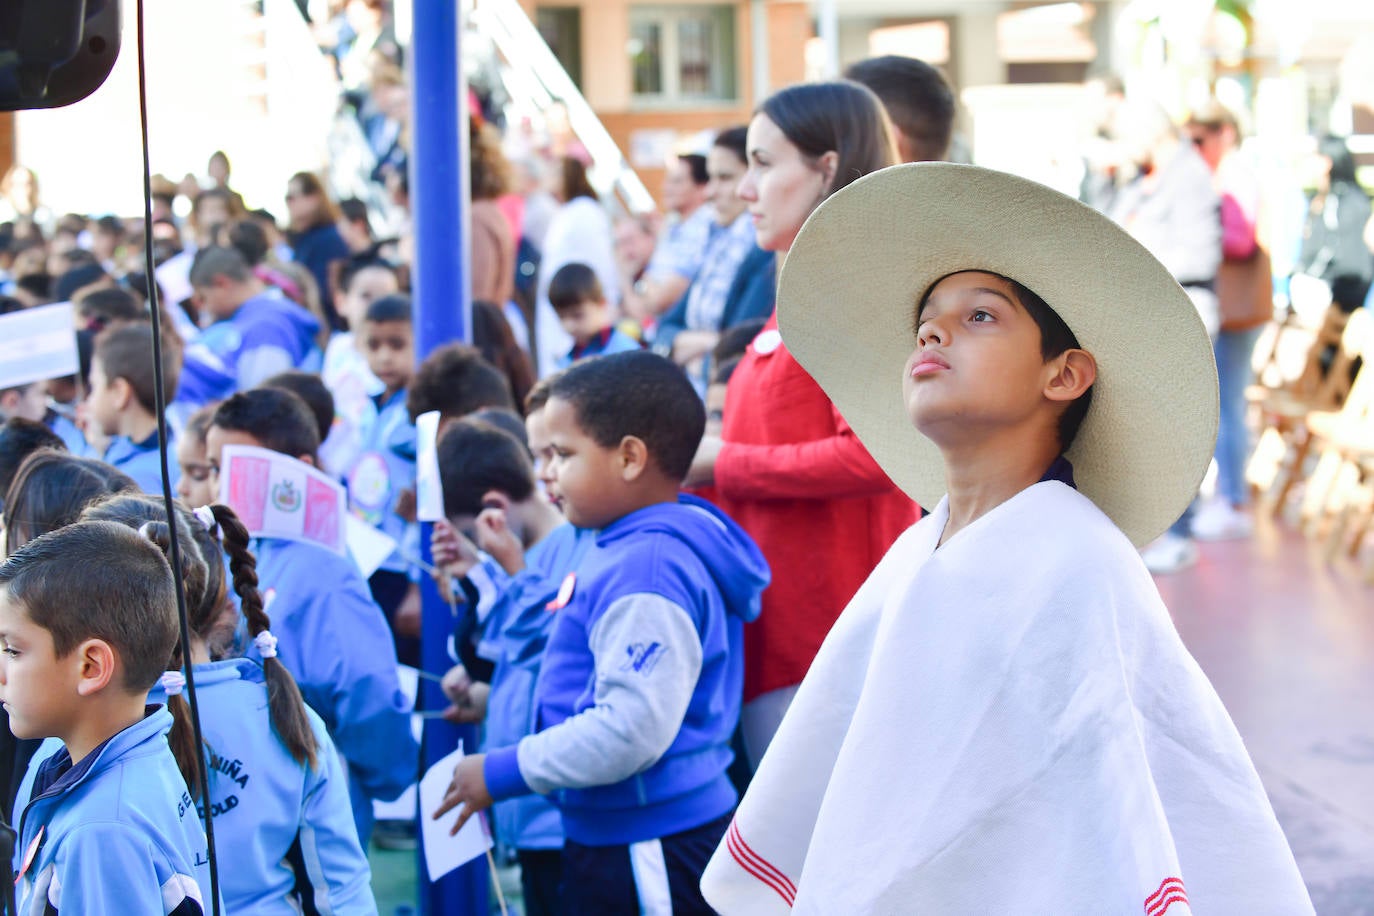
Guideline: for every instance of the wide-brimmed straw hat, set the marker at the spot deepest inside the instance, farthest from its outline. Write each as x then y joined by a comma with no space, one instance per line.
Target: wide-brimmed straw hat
847,302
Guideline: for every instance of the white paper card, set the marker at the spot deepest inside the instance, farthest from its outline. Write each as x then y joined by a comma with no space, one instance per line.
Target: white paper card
278,496
444,853
38,344
402,809
429,489
368,546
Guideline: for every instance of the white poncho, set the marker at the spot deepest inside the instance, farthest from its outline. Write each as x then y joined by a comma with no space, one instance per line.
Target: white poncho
1008,724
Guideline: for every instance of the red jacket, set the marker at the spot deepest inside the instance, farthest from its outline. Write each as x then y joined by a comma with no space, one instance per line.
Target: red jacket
794,476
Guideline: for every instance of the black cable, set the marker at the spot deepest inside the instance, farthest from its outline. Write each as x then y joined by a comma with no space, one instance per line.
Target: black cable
161,405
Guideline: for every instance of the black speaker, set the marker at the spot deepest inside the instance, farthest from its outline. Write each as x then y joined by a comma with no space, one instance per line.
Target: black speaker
55,52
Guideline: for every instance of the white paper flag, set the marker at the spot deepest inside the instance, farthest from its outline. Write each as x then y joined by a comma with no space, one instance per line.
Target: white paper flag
429,490
444,853
38,344
278,496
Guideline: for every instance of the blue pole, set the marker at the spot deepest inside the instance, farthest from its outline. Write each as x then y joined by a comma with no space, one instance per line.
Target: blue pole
443,308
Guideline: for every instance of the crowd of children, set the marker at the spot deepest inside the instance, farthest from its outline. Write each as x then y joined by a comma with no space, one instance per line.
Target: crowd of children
602,610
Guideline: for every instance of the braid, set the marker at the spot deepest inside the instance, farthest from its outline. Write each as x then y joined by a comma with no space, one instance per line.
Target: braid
283,695
182,736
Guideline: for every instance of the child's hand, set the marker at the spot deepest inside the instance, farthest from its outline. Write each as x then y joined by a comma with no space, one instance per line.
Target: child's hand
495,537
408,613
405,504
454,555
469,789
468,697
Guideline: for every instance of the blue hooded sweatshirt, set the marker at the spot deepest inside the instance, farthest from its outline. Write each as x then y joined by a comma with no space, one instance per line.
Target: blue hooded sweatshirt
283,831
639,693
515,634
117,833
334,639
268,334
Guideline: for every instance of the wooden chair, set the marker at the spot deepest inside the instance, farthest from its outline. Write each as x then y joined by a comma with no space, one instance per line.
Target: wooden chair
1279,461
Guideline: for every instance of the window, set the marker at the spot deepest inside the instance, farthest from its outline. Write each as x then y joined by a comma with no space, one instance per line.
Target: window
561,28
682,54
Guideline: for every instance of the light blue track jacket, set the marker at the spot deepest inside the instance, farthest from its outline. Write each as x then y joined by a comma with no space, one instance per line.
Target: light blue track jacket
281,828
334,640
115,834
384,468
514,637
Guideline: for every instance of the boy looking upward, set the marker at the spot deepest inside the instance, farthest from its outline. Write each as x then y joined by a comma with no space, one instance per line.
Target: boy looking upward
580,304
111,827
639,692
122,402
1029,734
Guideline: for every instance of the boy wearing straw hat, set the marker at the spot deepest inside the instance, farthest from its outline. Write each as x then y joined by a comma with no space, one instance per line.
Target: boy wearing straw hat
1029,733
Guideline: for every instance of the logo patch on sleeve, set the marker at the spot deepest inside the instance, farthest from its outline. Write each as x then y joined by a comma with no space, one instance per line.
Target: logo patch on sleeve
642,658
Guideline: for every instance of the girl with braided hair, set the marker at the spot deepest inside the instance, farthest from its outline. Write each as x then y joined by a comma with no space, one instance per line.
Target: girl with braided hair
278,790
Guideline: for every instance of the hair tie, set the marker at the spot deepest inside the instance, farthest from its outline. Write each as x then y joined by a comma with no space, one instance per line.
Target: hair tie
266,644
172,683
206,516
146,530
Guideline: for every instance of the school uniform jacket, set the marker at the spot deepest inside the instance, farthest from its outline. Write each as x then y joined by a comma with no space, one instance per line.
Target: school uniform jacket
334,639
115,834
284,831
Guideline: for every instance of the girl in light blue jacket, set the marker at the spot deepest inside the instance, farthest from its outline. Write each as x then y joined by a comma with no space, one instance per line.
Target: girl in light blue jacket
283,824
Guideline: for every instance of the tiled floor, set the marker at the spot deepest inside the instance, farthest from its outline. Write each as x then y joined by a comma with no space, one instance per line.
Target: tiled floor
1288,641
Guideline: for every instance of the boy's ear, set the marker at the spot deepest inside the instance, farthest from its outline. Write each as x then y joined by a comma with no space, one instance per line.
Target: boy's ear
1074,373
633,456
96,663
307,459
123,392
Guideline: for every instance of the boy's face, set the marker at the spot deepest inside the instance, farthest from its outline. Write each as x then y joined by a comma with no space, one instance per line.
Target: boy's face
102,405
35,684
585,320
29,402
367,286
536,430
587,476
389,349
216,438
196,487
977,367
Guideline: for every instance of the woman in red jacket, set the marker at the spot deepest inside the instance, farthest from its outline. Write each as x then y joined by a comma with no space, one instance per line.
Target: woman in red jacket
786,465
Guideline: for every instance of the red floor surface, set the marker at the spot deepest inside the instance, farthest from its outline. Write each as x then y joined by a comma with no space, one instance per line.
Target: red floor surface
1288,640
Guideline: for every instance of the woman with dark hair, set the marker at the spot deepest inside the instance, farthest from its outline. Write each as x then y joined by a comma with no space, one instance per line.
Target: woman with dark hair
314,235
49,492
786,465
492,335
493,240
580,233
1333,247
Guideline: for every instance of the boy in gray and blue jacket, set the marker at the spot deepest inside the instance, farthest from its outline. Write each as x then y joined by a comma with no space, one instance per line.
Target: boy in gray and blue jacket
639,692
111,827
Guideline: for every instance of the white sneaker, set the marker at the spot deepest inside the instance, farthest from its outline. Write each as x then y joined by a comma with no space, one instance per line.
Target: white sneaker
1220,521
1169,553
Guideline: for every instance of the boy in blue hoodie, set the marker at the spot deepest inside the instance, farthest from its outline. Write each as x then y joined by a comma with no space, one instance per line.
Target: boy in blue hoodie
382,476
250,334
332,636
121,401
111,827
639,692
490,495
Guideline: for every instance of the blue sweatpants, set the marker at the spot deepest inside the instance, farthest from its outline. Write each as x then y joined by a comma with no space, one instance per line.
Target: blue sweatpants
642,877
